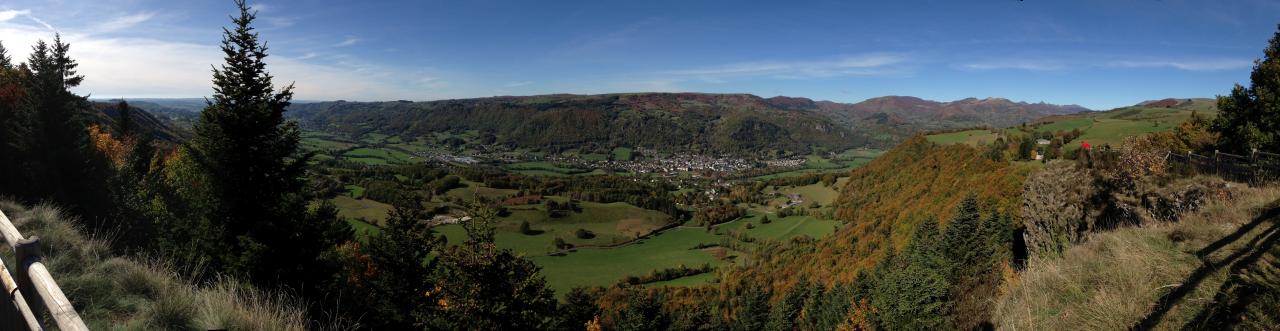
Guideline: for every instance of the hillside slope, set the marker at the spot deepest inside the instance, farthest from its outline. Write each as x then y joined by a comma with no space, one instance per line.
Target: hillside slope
712,123
699,122
1212,269
126,293
933,115
883,202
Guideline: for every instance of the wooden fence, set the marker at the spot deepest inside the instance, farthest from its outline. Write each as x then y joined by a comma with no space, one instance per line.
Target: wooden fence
31,291
1257,168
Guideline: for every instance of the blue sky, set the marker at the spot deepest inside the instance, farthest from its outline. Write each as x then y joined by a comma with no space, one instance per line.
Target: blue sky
1100,54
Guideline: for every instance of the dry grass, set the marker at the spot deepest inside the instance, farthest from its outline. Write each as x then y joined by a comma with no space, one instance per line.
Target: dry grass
1115,279
147,294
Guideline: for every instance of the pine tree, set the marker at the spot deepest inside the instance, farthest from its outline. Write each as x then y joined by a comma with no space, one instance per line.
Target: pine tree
783,314
250,155
1249,118
15,129
752,309
402,256
65,168
488,288
6,62
961,242
124,123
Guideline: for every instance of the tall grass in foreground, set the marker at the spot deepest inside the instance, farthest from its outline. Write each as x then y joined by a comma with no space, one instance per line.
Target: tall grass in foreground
1114,279
146,294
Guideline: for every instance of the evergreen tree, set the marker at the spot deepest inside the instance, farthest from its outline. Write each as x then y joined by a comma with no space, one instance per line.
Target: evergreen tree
910,291
402,256
643,311
124,121
752,311
250,155
15,129
64,167
783,314
962,242
488,288
1249,118
6,62
578,308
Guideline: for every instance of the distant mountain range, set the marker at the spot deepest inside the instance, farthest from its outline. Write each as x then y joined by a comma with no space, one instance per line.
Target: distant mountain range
719,123
699,122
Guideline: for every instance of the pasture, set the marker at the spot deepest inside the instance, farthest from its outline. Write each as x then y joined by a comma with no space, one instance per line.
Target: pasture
970,137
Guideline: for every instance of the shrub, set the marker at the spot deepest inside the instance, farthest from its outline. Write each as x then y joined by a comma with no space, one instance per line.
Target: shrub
526,229
561,244
583,234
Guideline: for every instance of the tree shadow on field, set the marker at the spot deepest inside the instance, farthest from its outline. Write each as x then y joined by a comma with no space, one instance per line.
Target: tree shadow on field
1246,255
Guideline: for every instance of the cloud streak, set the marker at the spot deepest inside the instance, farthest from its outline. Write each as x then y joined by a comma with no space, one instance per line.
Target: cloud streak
1188,65
122,22
347,42
862,65
1015,65
150,67
6,15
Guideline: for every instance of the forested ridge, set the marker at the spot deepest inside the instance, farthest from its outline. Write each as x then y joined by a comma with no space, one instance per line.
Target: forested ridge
685,122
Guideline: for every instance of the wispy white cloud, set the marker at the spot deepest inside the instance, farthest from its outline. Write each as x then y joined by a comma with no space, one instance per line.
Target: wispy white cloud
347,42
861,65
6,15
122,22
280,21
1188,65
519,84
261,7
1029,65
151,67
9,15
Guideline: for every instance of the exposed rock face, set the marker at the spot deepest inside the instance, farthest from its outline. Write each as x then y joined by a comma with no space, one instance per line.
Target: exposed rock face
1167,204
1063,204
1056,207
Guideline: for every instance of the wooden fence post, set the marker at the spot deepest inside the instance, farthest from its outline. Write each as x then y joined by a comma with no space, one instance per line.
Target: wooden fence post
28,252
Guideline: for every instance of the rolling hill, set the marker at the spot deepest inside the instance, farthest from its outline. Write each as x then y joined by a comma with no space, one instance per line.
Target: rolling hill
696,122
708,123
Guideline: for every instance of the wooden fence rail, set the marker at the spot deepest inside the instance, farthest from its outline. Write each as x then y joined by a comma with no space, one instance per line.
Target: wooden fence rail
1257,168
31,290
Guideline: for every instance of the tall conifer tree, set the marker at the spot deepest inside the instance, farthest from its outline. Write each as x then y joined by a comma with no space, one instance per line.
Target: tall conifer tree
250,155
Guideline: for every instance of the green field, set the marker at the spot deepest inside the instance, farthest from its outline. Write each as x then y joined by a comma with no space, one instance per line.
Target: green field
387,155
818,162
368,160
362,229
355,191
595,157
474,189
847,166
783,228
1113,131
816,192
374,211
612,223
695,280
1068,125
603,267
318,141
541,168
622,154
971,137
